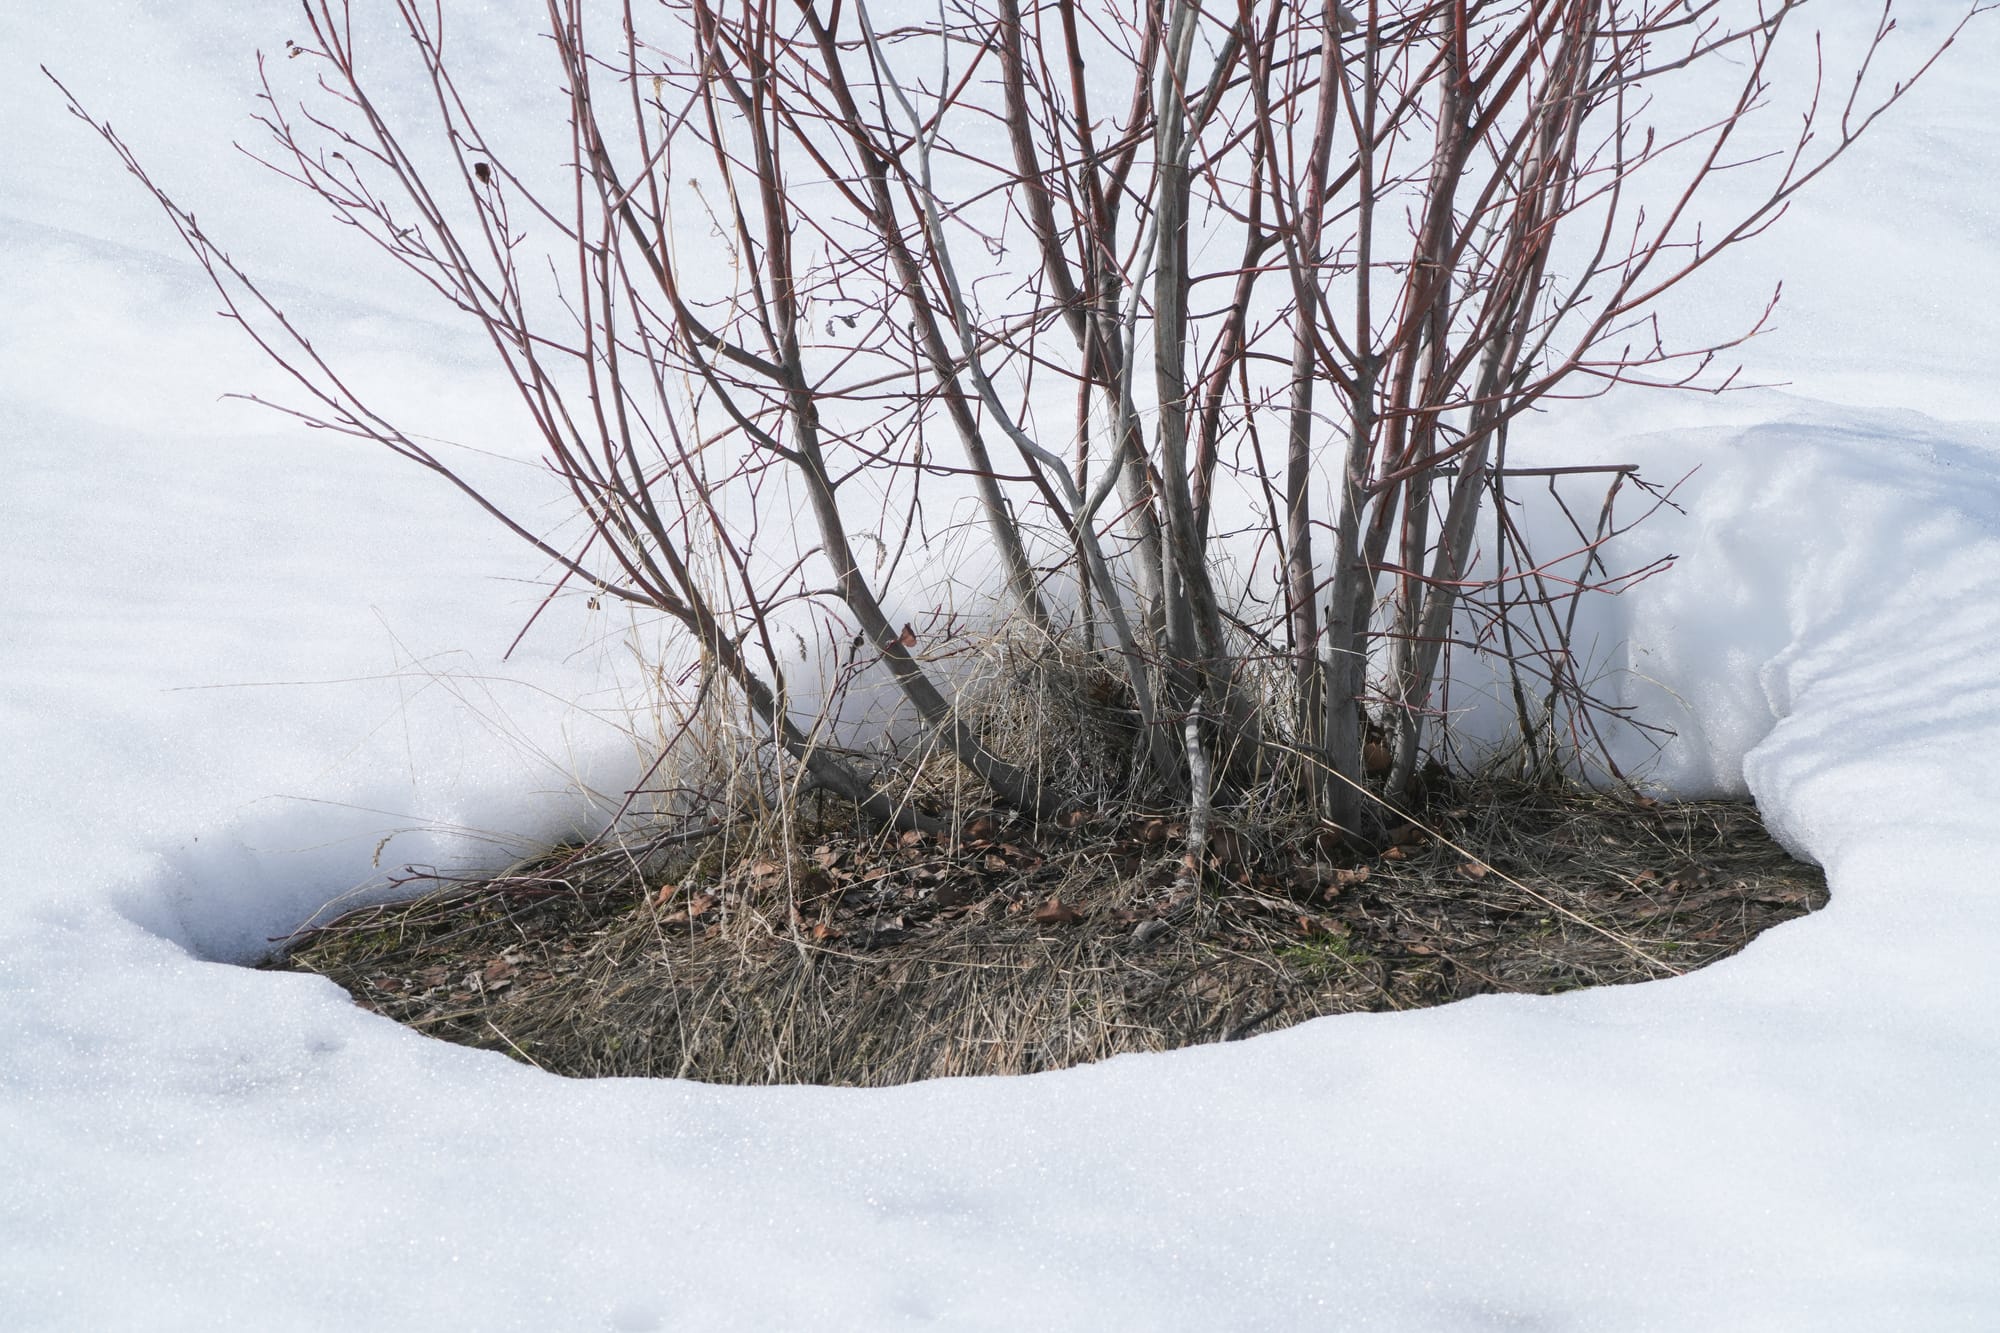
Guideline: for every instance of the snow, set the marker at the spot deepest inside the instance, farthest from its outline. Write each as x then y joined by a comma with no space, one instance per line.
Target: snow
236,658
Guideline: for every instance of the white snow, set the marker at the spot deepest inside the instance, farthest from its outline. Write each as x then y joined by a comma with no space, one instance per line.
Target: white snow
234,658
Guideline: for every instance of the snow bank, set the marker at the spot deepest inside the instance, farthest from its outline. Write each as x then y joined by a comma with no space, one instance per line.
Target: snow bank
1801,1137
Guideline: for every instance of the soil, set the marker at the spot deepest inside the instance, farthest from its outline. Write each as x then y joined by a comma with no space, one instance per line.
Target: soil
836,955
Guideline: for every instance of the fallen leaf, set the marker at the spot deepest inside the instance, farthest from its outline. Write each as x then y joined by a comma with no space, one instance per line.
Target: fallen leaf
499,971
980,829
1375,758
1154,830
1332,882
700,903
1056,912
1070,819
823,932
912,838
1396,853
1473,870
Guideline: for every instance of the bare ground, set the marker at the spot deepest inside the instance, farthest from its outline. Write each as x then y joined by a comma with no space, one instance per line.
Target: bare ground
837,956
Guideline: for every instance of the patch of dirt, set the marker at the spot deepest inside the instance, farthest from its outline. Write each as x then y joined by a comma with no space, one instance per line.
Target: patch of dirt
870,959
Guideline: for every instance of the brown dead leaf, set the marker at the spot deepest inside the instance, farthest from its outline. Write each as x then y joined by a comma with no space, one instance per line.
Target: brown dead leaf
1154,830
1056,912
498,973
1396,853
666,894
822,932
1375,758
912,838
701,903
1070,819
980,829
1333,881
1474,870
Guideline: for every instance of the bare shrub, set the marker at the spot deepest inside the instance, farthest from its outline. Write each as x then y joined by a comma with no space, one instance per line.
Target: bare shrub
1198,331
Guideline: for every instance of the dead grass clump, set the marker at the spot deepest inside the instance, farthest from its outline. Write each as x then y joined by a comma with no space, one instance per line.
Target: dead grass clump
869,959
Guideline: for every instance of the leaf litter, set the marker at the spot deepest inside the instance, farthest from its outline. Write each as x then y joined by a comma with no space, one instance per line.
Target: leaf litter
836,955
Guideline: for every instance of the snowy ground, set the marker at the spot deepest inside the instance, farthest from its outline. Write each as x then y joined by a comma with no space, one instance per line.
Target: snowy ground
234,660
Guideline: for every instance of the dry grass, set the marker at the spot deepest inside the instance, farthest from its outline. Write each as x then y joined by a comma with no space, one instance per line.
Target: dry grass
859,959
